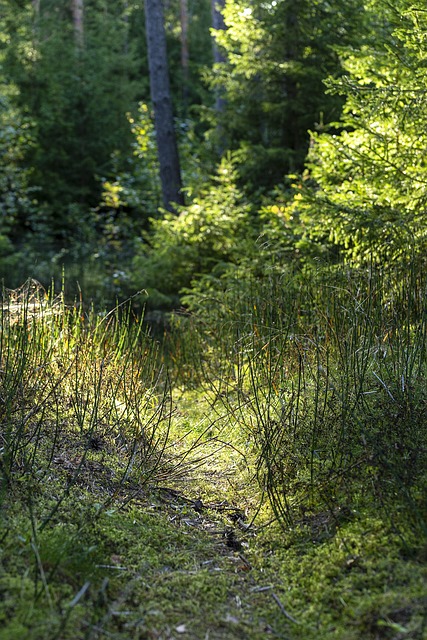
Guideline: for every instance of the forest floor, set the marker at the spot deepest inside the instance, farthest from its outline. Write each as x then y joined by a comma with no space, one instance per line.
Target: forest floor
196,553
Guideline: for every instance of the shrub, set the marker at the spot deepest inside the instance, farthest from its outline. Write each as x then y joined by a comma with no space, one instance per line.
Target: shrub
213,231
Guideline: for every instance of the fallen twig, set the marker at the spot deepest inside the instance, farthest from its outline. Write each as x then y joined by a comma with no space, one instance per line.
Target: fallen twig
282,609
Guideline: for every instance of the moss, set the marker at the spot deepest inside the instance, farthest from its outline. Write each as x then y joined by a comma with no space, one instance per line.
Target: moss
104,535
345,586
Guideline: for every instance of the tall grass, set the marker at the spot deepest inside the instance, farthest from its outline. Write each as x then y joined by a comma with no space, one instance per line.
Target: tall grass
73,381
326,374
85,428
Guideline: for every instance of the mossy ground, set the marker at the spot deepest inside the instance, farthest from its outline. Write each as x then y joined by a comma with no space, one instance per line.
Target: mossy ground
196,554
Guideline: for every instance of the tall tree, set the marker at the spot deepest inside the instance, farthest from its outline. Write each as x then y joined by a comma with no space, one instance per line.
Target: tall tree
185,54
170,174
277,55
77,10
370,198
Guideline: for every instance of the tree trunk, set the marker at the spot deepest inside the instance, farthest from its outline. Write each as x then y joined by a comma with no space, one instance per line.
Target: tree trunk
170,174
185,56
77,10
217,24
36,21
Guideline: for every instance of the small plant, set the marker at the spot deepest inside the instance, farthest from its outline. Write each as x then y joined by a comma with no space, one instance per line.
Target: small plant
213,231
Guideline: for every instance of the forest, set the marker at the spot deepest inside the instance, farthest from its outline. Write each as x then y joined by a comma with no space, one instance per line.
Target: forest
213,321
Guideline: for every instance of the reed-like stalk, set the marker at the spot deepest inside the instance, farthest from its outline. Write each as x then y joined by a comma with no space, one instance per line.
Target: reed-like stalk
326,374
89,380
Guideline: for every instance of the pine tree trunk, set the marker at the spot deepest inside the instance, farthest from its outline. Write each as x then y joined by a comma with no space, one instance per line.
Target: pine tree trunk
170,175
77,10
185,55
219,24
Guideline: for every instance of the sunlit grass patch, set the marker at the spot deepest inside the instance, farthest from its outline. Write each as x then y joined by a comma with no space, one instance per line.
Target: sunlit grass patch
273,487
74,381
325,373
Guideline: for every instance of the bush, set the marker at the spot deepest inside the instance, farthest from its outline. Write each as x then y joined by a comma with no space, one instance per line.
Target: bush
212,232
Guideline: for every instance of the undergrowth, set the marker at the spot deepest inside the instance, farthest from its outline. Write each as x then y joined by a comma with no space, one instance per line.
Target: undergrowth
261,473
326,375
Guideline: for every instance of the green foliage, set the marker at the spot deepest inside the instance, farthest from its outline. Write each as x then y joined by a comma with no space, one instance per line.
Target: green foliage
370,196
213,231
137,188
328,382
83,120
132,198
276,58
186,86
76,98
16,139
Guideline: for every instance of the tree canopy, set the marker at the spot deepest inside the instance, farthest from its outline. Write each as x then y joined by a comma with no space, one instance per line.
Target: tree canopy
321,108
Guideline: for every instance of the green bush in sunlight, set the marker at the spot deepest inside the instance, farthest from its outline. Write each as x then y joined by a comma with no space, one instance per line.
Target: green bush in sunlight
214,230
363,196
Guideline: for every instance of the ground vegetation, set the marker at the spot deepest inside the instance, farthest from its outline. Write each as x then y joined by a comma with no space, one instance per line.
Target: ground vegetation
213,418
